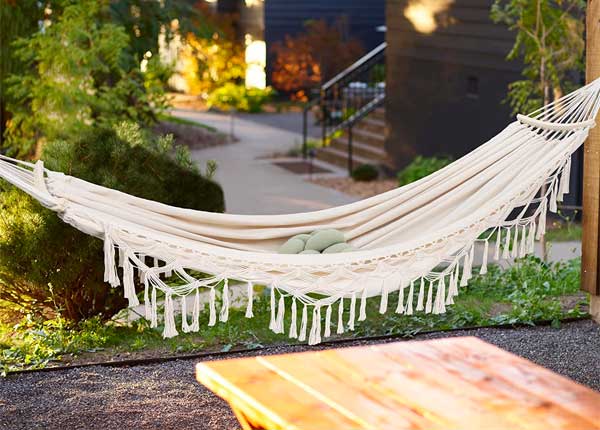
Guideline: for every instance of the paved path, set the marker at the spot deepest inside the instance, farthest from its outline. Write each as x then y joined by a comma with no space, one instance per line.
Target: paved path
252,184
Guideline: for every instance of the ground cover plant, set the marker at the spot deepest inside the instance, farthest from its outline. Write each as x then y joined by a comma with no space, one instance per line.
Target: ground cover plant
527,292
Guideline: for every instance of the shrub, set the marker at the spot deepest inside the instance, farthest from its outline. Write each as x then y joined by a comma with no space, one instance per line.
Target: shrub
238,97
365,173
421,167
47,266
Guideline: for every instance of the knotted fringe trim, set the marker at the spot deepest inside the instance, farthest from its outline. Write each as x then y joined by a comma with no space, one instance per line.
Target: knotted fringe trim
434,291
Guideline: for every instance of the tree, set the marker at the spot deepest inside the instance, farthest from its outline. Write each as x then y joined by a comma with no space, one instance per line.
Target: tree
77,74
310,58
549,39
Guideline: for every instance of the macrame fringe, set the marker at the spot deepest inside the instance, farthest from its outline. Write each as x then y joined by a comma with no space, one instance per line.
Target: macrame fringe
340,323
154,310
429,303
400,306
249,313
224,314
315,331
280,315
196,312
327,331
273,310
170,330
293,330
303,326
409,303
184,322
212,318
352,315
421,295
363,306
383,303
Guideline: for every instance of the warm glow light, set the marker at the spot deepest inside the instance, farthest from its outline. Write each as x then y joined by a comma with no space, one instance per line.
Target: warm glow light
422,13
256,60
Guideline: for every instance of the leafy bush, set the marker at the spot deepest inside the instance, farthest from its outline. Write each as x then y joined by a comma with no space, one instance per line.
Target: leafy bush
48,266
421,167
238,97
365,173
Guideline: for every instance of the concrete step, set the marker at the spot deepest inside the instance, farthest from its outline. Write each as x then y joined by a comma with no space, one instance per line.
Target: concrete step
376,140
378,113
340,158
372,125
360,148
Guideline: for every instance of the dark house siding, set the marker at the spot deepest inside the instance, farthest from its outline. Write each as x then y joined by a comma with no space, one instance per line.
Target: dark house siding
288,17
444,90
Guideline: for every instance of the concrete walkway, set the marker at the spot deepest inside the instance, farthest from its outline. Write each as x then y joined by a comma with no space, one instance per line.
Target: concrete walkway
252,184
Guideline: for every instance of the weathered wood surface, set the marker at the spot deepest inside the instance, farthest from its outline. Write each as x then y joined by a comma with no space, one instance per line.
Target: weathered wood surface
590,252
455,383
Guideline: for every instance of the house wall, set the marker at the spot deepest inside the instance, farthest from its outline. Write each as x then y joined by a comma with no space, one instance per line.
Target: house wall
444,89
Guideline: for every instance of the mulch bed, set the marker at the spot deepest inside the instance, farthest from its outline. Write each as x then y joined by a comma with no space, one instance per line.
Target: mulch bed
191,136
357,188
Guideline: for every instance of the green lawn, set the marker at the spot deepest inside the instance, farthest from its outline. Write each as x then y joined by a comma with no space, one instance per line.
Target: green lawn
528,292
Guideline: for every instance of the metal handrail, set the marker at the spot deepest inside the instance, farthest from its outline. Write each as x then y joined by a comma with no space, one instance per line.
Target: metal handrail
333,91
354,66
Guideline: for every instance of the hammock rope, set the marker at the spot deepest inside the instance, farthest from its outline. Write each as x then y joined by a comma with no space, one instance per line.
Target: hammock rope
416,244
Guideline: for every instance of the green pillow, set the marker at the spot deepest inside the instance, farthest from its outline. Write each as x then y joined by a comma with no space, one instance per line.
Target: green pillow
303,237
338,247
292,246
324,239
310,251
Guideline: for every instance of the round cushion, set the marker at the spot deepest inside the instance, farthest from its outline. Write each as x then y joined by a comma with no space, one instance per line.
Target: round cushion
338,247
324,239
292,246
310,251
303,237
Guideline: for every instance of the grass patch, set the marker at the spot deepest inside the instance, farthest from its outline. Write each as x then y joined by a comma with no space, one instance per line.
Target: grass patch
183,121
567,232
527,292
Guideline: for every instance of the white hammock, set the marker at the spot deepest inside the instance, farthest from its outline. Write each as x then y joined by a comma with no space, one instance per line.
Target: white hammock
411,240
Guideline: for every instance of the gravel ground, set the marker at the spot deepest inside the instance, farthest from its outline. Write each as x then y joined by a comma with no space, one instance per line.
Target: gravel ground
166,396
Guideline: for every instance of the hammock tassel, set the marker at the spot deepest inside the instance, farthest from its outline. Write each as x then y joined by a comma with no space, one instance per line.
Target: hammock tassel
383,303
212,319
564,180
121,257
524,239
531,239
327,331
429,298
451,287
400,306
147,306
154,315
352,312
409,302
184,323
363,306
340,323
129,285
553,197
421,295
484,262
249,313
280,315
440,297
466,275
302,336
506,250
196,312
293,334
541,229
498,242
170,330
273,310
224,314
110,271
315,330
514,252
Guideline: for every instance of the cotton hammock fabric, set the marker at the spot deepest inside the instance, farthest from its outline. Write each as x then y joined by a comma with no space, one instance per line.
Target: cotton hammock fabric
415,244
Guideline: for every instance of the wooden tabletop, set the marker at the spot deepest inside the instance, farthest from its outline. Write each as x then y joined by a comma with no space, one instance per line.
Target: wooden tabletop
454,383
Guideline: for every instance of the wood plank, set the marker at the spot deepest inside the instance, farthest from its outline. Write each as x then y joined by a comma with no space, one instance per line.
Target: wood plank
265,398
455,383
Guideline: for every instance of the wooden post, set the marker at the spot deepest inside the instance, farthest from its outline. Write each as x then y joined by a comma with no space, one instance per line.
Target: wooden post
590,261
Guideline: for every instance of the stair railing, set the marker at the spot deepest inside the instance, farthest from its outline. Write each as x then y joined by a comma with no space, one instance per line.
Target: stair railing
348,97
